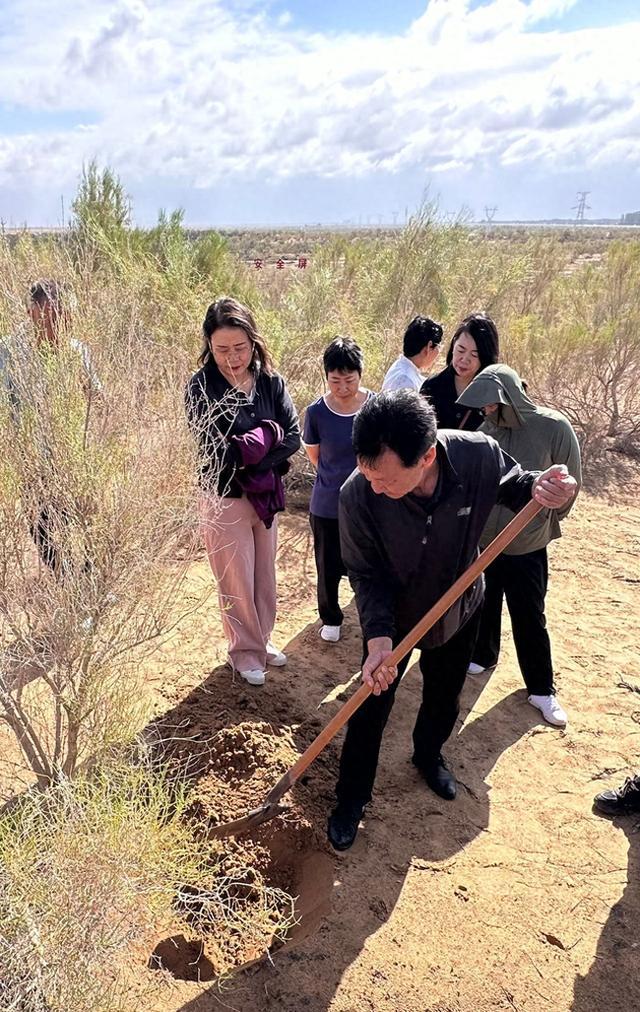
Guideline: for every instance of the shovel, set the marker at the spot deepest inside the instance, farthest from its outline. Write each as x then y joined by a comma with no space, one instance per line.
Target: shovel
271,805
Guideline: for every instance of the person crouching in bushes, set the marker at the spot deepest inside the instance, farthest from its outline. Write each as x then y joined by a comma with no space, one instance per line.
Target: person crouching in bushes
246,426
474,346
327,440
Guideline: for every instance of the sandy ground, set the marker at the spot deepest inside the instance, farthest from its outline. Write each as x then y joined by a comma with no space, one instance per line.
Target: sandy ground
515,896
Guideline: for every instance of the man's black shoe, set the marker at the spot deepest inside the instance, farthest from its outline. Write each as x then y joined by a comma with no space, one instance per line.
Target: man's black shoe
438,776
342,828
623,800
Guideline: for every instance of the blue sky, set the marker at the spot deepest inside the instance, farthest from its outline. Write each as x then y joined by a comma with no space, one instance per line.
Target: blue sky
386,16
15,119
593,14
281,111
394,15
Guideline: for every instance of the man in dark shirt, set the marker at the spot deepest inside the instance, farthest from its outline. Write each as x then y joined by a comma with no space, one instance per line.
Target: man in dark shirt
410,524
26,361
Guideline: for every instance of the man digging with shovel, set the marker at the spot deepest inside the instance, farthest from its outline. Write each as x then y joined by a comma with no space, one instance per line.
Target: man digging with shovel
410,524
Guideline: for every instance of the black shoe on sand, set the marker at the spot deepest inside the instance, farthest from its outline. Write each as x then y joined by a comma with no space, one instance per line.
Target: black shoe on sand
623,800
438,776
342,827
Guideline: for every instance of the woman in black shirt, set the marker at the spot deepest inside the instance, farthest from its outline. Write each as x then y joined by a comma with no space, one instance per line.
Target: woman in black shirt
474,346
246,427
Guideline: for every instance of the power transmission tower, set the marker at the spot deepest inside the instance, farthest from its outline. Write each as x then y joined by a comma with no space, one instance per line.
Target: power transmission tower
582,205
489,213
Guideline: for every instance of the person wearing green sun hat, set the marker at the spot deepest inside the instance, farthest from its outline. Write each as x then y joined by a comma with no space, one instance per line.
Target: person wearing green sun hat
536,437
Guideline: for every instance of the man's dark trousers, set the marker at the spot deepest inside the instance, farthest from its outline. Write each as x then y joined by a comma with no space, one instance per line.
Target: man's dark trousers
522,579
331,568
444,670
46,532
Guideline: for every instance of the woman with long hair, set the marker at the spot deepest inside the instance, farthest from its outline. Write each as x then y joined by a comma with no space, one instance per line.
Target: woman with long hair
474,346
246,426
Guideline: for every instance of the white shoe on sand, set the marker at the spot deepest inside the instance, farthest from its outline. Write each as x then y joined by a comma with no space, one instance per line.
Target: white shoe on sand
275,656
550,709
475,669
330,633
254,676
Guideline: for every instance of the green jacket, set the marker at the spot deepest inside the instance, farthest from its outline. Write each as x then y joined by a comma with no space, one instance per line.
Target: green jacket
536,437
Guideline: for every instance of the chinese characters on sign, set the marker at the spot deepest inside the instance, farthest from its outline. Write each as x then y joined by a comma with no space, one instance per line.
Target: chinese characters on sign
301,263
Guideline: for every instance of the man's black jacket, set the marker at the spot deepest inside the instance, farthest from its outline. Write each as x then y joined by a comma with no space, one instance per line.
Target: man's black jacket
402,555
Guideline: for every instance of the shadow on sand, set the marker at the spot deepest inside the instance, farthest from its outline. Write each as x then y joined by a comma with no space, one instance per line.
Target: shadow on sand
613,982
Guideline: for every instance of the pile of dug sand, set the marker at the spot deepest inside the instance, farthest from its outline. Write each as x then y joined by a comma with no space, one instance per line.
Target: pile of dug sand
243,764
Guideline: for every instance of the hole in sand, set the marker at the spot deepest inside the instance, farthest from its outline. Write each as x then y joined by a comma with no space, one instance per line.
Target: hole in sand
183,958
198,959
283,858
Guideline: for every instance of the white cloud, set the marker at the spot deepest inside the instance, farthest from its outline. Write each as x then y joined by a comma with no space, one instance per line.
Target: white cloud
196,91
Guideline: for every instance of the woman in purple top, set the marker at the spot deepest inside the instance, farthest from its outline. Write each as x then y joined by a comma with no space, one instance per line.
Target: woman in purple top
327,440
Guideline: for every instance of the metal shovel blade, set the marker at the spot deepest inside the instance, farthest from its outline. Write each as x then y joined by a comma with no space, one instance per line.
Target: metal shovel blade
251,820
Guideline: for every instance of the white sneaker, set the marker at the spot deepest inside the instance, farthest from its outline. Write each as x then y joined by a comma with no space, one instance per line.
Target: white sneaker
254,676
550,709
475,669
275,656
330,633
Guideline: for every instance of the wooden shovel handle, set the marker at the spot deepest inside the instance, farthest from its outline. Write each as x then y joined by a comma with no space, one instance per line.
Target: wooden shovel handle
405,645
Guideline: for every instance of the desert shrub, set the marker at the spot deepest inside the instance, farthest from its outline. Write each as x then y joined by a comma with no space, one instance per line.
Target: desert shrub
582,350
114,468
101,200
105,865
93,865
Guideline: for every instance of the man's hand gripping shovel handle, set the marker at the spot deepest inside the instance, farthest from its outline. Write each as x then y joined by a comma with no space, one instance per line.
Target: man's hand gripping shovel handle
271,806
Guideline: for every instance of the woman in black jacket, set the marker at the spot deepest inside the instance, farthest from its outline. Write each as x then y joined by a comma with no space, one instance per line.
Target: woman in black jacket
474,346
246,425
